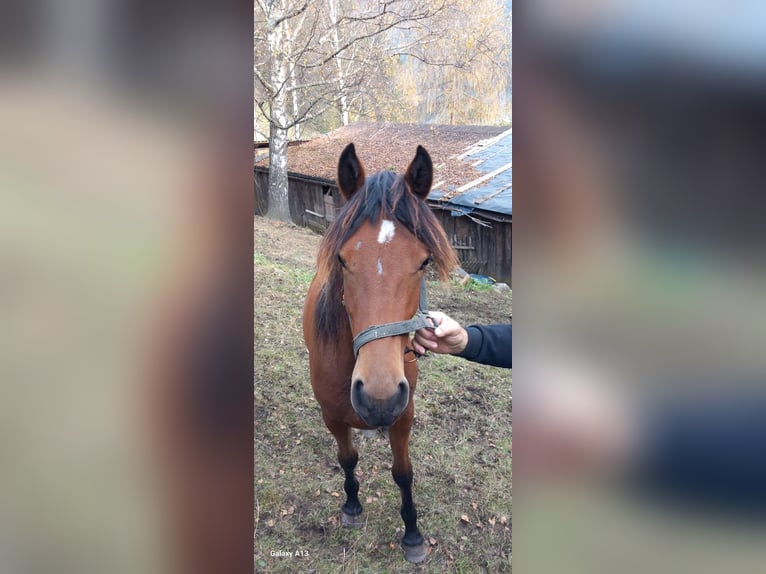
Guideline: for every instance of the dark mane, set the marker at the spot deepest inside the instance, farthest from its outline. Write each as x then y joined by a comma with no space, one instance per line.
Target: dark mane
383,194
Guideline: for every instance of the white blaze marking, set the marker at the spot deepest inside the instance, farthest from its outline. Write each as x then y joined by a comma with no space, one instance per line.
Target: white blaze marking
380,267
386,233
358,245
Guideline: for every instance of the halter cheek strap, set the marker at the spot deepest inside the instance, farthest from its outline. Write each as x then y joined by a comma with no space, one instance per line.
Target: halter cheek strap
421,320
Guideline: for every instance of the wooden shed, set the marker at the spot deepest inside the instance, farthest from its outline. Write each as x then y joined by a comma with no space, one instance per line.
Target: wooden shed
471,196
478,215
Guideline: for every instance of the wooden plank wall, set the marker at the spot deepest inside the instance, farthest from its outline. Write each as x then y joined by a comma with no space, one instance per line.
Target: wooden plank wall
308,205
482,250
261,183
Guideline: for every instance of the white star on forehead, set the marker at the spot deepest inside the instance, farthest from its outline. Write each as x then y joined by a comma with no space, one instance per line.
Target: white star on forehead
386,232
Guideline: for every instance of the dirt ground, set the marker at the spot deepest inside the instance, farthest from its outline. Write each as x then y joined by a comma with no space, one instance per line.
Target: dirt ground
460,446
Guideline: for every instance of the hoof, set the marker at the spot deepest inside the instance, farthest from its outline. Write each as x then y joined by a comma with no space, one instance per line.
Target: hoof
350,520
415,554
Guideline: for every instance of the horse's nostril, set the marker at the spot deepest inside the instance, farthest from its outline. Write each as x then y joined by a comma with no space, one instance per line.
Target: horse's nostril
356,389
404,389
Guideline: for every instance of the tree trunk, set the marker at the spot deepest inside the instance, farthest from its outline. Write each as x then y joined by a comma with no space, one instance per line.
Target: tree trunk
279,206
343,97
343,107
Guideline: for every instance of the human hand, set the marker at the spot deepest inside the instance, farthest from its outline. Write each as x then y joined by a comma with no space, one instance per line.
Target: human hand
449,337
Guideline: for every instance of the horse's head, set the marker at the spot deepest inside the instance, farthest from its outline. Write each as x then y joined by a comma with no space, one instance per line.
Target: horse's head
389,238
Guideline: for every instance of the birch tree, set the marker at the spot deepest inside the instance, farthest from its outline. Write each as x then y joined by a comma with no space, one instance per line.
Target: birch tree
309,57
276,55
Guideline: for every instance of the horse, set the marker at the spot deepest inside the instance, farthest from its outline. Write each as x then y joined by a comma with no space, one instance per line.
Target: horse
366,297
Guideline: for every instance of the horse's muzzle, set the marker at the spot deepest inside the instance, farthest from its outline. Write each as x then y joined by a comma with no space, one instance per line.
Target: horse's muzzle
376,412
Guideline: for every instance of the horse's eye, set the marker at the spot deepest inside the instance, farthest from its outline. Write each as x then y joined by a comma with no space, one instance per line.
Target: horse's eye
340,260
425,263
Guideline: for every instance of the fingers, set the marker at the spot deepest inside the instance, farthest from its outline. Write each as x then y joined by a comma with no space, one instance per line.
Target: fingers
438,340
425,340
438,317
418,348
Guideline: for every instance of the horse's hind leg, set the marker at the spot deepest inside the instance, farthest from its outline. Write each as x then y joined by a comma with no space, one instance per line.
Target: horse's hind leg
412,541
351,511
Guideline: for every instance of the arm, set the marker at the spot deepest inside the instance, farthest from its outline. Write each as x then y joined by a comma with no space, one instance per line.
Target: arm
489,345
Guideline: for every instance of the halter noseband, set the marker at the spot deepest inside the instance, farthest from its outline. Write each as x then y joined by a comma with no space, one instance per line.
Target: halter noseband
421,320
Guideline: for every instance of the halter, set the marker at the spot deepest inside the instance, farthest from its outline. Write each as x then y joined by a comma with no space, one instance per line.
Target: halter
421,320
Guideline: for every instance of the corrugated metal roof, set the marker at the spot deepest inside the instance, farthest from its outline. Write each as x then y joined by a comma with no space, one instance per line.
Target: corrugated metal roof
493,191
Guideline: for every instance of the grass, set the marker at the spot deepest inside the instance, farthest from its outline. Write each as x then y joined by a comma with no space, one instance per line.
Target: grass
460,446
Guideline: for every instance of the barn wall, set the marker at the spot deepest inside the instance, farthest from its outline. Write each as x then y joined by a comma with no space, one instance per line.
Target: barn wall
261,182
312,203
482,250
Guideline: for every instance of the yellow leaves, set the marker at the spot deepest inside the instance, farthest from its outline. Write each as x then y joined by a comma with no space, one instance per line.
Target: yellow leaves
491,521
287,511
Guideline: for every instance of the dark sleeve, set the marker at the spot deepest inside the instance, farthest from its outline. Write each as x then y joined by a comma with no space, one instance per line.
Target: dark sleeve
709,453
489,345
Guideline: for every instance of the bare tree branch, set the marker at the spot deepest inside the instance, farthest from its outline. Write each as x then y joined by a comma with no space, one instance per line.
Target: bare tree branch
291,15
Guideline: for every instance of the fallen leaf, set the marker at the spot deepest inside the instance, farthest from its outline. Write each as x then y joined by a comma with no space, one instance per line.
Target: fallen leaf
465,519
474,505
432,541
491,521
479,525
317,492
335,494
270,523
503,520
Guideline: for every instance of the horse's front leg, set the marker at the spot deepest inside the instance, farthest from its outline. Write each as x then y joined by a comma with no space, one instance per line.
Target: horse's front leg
399,436
351,511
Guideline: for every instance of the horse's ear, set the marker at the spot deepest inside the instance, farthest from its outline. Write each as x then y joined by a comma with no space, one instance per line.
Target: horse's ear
350,172
420,173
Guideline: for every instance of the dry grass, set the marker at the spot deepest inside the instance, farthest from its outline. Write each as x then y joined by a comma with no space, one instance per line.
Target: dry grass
460,447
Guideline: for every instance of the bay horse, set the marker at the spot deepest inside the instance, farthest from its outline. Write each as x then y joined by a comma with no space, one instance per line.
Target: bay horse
368,294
